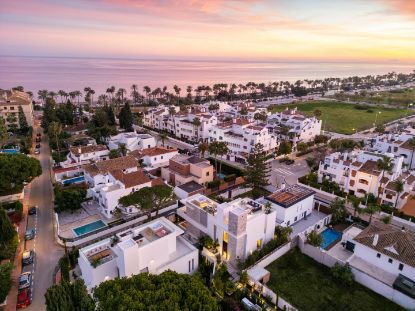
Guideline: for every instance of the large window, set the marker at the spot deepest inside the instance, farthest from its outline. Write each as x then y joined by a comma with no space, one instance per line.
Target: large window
363,181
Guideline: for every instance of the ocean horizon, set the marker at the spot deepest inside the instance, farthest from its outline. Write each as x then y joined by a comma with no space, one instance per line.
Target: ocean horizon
75,73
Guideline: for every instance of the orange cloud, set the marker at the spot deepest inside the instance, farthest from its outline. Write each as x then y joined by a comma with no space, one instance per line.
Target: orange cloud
406,7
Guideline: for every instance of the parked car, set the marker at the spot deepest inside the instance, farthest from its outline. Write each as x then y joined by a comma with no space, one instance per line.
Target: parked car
28,256
37,146
289,162
38,134
23,298
38,139
37,151
29,234
32,210
25,279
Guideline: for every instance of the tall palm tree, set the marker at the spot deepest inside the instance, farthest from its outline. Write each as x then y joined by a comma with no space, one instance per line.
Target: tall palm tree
43,95
411,143
197,123
163,137
177,91
385,165
122,149
134,93
62,94
147,90
203,147
399,187
52,94
370,210
111,90
356,205
222,150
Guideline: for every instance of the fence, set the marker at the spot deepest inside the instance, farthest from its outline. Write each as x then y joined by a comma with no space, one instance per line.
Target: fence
271,257
317,254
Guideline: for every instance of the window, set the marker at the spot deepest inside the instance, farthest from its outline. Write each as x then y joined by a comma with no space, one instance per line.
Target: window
189,266
193,264
295,219
155,159
390,260
363,181
288,223
11,108
378,255
161,157
258,244
207,173
400,266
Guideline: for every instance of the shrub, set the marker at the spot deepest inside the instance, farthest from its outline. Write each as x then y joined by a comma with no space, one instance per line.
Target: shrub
229,178
314,239
386,219
5,280
64,267
206,241
343,274
214,184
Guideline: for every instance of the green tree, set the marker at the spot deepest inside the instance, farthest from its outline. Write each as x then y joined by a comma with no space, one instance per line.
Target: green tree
22,121
126,118
338,210
15,170
260,116
411,144
257,171
162,194
285,147
370,210
343,274
5,280
314,239
356,205
216,148
302,147
114,153
69,297
69,198
399,187
49,113
7,231
122,149
321,139
163,138
203,147
141,199
166,291
4,136
54,132
385,165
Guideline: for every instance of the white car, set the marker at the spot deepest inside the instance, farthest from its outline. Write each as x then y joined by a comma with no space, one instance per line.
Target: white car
37,151
25,279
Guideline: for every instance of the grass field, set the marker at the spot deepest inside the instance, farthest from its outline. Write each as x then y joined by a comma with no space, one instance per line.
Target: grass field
394,98
343,118
308,285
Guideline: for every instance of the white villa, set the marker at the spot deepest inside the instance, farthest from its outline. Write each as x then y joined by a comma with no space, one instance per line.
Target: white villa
357,173
132,141
240,226
153,247
81,155
301,128
291,204
241,136
154,158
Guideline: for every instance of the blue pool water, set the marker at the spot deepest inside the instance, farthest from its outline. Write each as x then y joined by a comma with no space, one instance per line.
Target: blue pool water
221,175
9,151
89,227
329,236
73,180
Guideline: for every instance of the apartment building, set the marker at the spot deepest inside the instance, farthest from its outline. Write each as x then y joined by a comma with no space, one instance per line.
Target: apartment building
241,136
154,158
239,227
292,125
10,101
132,141
153,247
357,173
85,154
291,204
397,144
183,169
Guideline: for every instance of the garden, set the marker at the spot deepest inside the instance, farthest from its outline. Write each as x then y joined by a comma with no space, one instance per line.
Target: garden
321,288
345,118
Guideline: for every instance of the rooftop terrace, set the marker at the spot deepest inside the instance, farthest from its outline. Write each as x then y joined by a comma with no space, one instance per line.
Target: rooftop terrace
290,196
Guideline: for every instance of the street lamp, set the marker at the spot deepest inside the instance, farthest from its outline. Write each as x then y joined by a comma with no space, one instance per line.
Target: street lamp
407,108
376,117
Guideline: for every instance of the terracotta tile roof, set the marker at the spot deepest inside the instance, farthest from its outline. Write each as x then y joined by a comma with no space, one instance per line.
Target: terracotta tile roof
77,151
357,163
255,127
391,241
410,180
107,166
370,167
75,128
151,152
13,97
406,145
131,179
242,122
384,179
157,182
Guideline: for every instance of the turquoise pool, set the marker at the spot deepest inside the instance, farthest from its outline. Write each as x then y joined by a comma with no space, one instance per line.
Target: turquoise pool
73,180
329,236
89,227
221,176
9,151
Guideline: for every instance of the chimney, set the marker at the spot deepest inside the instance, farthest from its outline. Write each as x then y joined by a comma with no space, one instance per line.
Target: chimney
79,150
375,239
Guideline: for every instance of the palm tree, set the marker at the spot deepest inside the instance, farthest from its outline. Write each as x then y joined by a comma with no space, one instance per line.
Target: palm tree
52,94
385,165
43,95
196,123
172,110
111,90
163,137
134,93
54,130
147,90
411,143
77,94
203,147
370,210
399,187
177,91
356,205
122,149
213,150
222,150
62,94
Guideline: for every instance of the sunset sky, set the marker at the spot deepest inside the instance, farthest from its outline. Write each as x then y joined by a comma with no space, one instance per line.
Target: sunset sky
378,30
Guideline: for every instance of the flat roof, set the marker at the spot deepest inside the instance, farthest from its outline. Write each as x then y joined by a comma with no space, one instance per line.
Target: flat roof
191,186
290,196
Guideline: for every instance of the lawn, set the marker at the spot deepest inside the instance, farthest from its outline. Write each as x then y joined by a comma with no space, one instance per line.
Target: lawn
343,118
308,285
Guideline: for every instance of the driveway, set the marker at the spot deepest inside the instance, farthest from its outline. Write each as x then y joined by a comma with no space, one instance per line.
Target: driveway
46,249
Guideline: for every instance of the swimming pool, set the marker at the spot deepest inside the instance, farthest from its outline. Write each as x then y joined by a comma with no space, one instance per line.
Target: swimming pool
329,236
9,151
89,227
221,176
73,180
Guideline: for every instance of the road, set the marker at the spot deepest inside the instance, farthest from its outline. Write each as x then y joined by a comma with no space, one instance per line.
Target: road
289,173
46,249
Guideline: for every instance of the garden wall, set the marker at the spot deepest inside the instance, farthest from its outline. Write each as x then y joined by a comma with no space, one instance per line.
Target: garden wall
11,197
271,257
317,254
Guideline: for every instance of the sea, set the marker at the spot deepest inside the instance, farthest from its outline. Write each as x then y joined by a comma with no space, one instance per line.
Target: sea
69,73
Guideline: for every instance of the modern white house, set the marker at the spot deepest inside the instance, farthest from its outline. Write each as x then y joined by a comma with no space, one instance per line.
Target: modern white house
291,204
85,154
300,127
241,136
152,247
132,141
239,227
357,173
154,158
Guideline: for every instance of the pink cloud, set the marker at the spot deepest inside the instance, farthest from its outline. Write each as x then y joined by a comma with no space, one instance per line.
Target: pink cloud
405,7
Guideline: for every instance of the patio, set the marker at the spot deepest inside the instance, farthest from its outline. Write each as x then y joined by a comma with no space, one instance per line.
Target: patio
314,218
